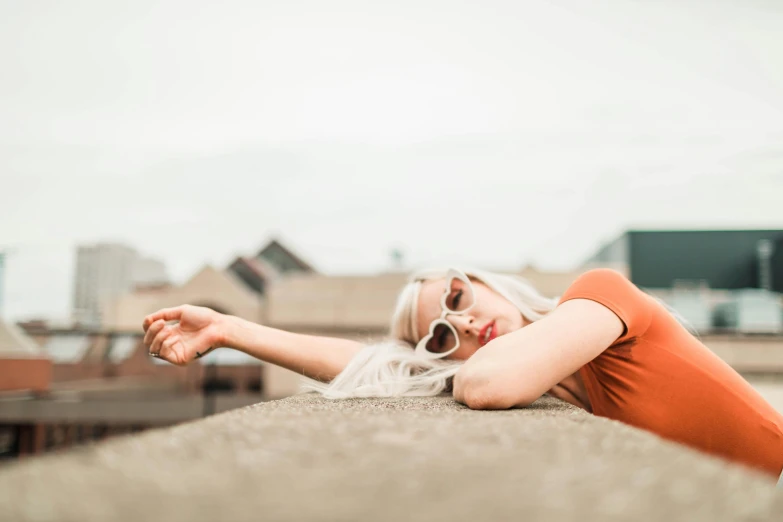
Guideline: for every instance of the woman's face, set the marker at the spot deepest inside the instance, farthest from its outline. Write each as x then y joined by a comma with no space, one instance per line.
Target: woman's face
491,316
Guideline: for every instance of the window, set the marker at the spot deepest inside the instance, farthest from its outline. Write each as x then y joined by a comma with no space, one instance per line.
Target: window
9,442
255,385
218,385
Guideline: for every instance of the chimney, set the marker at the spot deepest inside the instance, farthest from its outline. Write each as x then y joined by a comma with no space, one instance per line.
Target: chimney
765,248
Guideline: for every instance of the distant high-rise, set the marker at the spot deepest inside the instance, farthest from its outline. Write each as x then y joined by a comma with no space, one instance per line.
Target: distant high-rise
106,271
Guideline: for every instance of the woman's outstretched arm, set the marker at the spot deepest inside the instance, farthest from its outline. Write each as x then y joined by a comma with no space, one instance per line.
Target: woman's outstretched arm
182,334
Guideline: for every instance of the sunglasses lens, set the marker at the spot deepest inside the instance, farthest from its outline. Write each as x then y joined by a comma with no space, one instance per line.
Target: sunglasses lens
443,340
460,296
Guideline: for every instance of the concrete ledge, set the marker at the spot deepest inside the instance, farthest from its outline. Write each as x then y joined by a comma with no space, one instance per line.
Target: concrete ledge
305,458
165,409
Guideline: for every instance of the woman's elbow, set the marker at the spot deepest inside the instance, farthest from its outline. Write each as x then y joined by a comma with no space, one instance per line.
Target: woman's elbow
480,393
480,401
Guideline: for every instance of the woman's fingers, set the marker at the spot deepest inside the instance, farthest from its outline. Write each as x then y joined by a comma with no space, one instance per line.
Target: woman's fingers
165,314
152,331
159,338
167,350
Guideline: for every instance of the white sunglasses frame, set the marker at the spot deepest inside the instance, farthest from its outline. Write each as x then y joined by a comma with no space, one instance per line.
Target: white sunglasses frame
421,346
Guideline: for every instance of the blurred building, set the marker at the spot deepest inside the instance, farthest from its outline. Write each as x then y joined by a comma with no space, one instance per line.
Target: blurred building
23,366
283,259
62,387
103,272
210,287
65,386
726,281
719,259
106,271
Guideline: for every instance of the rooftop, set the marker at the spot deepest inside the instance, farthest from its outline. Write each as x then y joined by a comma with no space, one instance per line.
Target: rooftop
15,342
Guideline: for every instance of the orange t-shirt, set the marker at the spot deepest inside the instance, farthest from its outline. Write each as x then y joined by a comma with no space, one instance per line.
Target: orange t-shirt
658,377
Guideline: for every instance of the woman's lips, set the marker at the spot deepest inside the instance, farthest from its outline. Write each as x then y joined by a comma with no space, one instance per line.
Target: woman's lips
483,333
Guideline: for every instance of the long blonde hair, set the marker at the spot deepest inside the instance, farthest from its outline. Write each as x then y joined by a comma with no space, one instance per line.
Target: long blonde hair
391,368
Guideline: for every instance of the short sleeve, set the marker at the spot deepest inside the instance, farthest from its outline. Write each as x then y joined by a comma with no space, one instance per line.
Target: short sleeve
613,290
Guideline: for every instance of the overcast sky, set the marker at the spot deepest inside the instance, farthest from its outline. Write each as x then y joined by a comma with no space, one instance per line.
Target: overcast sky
491,133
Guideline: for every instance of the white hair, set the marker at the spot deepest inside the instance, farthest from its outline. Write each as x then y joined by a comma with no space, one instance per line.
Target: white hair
392,369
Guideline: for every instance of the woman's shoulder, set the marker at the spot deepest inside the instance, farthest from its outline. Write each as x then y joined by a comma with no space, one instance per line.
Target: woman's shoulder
602,273
615,291
600,281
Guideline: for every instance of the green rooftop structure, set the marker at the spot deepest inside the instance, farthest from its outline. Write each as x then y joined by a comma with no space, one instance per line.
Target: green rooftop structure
723,259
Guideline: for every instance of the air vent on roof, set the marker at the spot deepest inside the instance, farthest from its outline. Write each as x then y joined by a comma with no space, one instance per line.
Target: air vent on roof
750,310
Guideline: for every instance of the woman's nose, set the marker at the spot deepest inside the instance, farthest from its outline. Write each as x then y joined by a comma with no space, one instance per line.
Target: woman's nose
463,323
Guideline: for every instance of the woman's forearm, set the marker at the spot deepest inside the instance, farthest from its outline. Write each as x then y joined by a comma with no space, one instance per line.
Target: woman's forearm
320,358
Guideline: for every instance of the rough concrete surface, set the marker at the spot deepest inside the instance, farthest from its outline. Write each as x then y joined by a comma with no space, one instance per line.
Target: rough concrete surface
306,458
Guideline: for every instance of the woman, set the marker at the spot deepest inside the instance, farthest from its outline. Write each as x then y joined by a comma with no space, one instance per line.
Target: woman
604,346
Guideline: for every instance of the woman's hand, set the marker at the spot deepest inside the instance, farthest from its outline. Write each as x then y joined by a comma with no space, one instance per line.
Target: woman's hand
198,331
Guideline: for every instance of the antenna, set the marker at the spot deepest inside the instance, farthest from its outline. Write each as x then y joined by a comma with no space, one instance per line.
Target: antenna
764,249
3,255
397,257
